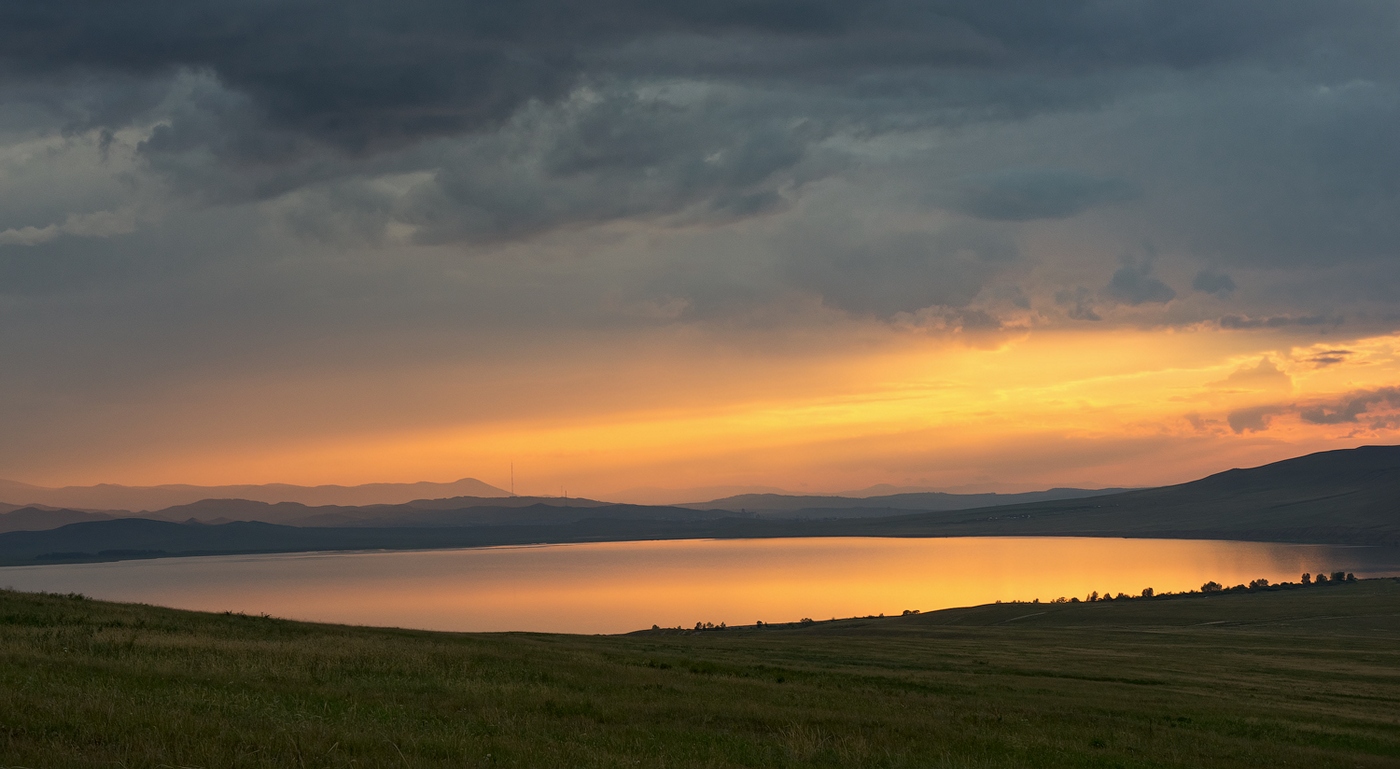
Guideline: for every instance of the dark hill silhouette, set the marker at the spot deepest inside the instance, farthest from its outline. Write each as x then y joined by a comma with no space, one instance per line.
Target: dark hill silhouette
128,538
455,511
108,496
812,506
1345,496
34,518
1340,497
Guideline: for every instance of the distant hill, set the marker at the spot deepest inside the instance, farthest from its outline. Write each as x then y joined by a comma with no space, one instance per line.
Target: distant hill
458,511
1345,496
651,495
1336,497
35,518
145,498
794,506
428,513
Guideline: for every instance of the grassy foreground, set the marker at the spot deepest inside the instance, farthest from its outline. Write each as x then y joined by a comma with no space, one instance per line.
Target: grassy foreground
1306,678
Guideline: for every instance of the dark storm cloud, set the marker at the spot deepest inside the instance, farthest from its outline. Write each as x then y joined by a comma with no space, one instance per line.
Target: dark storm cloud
361,75
1278,321
1134,284
1022,195
1211,282
608,156
888,273
482,123
1078,303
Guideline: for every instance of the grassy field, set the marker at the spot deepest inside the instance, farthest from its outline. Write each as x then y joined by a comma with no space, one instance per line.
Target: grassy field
1305,678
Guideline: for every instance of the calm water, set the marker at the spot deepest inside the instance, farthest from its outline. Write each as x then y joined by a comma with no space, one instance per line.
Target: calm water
620,586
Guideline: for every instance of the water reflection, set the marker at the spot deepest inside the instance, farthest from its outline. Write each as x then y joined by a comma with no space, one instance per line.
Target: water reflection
619,586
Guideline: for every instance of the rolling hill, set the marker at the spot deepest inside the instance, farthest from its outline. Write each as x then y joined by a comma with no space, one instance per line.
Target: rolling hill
813,506
1349,496
109,496
1336,497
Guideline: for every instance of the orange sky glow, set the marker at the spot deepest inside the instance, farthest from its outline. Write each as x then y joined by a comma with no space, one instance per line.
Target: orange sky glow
1042,408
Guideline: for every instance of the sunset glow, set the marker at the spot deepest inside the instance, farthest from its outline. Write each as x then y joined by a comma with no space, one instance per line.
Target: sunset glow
1124,407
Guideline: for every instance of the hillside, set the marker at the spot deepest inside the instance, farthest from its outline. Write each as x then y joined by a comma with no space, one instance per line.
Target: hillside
809,506
1349,496
37,518
1338,497
1289,678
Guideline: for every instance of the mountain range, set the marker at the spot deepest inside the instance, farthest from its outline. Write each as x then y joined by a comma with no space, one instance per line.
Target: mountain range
108,496
1344,497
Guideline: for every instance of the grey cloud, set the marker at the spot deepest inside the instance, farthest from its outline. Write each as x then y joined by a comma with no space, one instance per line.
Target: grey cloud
484,123
274,97
1079,303
1278,321
1026,194
1134,284
1210,282
1285,171
1330,357
889,273
1253,420
1346,410
363,75
612,156
1351,408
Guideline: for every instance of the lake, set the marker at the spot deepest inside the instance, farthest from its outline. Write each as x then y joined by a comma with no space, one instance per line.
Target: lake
612,587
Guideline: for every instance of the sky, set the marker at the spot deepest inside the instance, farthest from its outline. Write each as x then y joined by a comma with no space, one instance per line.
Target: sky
625,244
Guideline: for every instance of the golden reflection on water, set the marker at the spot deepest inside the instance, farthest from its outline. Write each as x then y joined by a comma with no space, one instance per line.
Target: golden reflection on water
614,587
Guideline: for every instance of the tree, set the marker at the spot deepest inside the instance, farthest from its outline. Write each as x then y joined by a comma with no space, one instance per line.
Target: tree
1307,578
1148,592
1094,596
1212,587
1339,576
1320,579
1351,577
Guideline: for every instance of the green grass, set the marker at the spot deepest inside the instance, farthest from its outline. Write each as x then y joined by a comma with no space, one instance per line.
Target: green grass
1306,678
